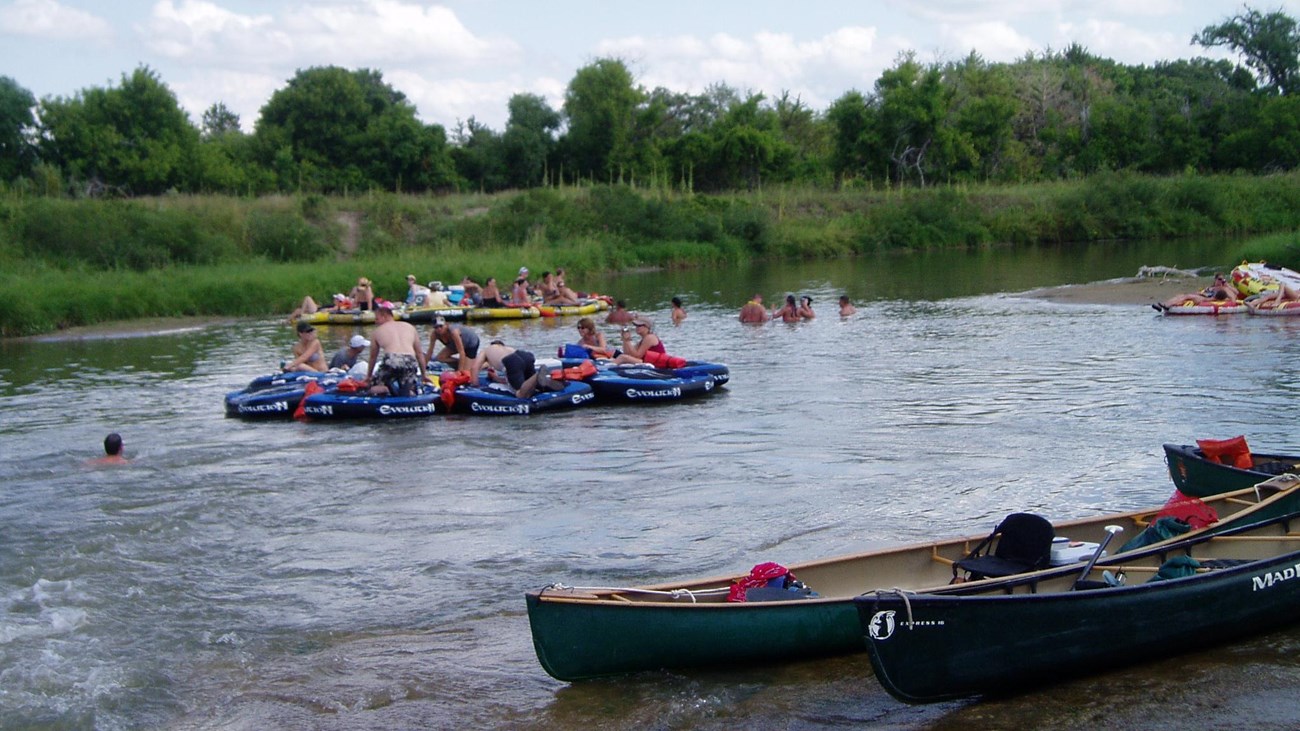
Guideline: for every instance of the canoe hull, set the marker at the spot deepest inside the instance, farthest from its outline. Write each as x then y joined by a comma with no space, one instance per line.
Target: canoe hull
956,647
577,641
1196,476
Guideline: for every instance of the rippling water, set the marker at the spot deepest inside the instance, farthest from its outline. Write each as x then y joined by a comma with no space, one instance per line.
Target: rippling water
305,576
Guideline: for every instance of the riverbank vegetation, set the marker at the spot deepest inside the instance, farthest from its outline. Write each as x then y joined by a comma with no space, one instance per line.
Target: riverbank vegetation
114,204
77,262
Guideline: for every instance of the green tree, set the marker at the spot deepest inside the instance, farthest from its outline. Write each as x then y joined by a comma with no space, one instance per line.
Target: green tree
16,124
747,146
479,156
218,120
983,106
133,140
808,136
913,106
852,123
600,106
529,140
331,129
1270,43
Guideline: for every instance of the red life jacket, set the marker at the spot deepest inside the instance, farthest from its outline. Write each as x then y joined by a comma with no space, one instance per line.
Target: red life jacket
663,360
312,387
450,382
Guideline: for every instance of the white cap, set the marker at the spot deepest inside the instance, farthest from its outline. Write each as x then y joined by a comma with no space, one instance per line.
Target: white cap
359,342
523,271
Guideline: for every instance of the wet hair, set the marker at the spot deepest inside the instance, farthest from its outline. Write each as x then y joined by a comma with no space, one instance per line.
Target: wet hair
789,299
621,304
113,444
677,301
806,299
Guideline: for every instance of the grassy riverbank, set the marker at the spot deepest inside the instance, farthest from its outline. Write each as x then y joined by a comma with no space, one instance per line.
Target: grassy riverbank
68,263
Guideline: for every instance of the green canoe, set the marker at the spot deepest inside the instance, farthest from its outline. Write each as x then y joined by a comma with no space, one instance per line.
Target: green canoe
1197,476
933,646
587,632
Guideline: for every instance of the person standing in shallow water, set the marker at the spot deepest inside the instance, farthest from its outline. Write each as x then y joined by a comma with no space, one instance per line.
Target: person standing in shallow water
679,312
754,311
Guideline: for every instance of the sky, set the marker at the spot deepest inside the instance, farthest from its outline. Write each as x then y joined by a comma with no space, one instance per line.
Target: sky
457,59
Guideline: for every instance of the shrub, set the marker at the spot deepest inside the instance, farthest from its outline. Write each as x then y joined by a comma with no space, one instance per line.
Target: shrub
281,236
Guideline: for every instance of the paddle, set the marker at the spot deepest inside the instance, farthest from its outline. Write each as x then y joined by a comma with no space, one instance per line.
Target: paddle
1081,582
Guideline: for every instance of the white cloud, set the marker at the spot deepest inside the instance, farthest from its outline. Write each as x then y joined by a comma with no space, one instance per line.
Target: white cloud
49,20
816,70
447,100
994,40
1125,43
359,33
243,93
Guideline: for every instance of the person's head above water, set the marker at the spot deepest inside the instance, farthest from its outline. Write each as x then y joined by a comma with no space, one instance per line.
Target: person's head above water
113,444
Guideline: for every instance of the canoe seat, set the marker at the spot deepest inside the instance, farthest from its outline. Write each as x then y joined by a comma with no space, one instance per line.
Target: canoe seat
1024,543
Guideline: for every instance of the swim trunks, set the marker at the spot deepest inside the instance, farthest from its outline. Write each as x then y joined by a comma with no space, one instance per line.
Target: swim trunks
402,368
520,366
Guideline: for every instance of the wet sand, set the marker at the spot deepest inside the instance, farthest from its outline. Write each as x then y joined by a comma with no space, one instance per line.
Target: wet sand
1132,291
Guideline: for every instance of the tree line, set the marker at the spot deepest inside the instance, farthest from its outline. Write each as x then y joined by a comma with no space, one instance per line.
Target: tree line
1047,116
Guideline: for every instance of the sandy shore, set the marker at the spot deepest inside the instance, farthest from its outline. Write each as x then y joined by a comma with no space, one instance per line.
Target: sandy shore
1121,292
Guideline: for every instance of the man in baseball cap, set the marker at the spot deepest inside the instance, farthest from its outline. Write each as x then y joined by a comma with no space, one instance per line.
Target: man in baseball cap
348,354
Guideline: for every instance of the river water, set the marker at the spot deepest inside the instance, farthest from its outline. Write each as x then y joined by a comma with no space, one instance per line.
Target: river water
242,575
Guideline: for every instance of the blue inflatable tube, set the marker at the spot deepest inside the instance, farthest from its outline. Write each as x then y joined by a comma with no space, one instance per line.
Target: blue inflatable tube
719,372
300,378
643,384
274,396
491,401
333,404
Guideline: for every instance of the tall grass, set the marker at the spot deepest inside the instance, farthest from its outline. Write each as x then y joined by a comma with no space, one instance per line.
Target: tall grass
87,261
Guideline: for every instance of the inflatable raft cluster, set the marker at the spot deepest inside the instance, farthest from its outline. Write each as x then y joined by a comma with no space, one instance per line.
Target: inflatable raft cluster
575,382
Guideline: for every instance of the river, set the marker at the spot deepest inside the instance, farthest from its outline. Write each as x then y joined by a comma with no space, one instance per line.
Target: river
239,575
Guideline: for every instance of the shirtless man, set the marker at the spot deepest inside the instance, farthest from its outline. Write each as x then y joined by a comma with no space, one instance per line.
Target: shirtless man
403,360
507,365
620,314
754,311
